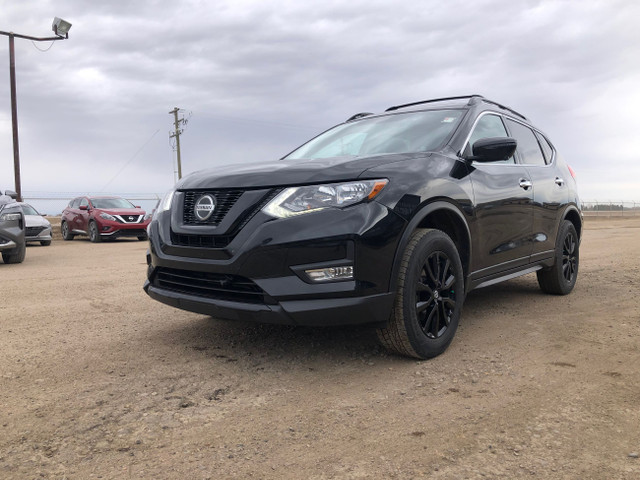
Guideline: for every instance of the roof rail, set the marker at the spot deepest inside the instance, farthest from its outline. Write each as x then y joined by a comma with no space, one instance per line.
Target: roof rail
472,101
396,107
505,107
359,115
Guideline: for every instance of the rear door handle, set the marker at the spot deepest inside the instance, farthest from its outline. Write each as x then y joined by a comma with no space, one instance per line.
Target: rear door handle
526,184
559,181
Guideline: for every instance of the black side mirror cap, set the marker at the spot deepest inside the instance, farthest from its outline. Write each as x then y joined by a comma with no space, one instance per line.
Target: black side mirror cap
494,149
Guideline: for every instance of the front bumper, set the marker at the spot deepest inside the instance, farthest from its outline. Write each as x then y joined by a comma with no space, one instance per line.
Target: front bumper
43,236
110,229
6,244
259,275
11,231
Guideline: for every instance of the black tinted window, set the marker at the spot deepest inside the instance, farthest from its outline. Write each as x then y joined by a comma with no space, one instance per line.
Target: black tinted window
547,149
528,147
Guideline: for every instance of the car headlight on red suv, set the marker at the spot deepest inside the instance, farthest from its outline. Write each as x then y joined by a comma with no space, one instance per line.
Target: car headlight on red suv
106,216
313,198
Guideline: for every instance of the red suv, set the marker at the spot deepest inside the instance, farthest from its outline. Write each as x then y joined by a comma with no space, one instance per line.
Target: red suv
103,217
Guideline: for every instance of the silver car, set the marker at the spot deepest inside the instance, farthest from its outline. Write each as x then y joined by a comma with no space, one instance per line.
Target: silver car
38,228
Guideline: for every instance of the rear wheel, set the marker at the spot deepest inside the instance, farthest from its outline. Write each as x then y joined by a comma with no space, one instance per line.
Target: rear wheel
66,233
561,278
45,243
143,238
429,297
94,234
16,255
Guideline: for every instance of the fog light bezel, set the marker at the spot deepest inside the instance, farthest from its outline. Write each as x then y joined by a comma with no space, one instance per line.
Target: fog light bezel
332,273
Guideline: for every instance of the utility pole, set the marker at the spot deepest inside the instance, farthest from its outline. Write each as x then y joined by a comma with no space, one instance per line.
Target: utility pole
176,134
61,29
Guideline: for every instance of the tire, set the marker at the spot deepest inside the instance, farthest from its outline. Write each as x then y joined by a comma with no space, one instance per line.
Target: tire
16,255
143,238
429,297
561,278
66,233
94,234
45,243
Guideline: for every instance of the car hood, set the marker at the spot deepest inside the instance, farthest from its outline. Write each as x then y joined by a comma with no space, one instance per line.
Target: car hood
288,172
122,211
36,221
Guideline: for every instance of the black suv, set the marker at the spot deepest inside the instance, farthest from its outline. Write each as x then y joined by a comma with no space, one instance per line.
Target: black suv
12,241
386,219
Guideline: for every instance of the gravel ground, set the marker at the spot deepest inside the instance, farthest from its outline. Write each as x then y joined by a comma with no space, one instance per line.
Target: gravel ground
99,381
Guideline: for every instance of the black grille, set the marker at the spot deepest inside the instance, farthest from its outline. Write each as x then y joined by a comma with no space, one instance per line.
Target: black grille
217,241
129,218
209,285
33,231
225,199
206,241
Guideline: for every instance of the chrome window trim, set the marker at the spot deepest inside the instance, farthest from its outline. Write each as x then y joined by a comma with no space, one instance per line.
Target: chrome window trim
503,118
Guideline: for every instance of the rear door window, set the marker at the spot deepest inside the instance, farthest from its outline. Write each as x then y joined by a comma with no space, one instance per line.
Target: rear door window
528,147
547,149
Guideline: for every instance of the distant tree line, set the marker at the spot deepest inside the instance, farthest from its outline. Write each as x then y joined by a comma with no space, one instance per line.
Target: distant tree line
592,206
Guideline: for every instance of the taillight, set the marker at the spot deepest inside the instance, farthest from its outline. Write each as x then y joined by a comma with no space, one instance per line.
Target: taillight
573,174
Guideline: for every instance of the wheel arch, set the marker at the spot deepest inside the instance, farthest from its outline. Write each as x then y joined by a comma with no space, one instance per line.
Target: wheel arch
440,215
573,215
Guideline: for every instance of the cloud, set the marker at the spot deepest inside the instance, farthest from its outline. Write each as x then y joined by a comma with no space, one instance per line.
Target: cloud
262,77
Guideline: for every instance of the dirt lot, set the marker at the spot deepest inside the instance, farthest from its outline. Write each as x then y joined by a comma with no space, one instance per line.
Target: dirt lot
99,381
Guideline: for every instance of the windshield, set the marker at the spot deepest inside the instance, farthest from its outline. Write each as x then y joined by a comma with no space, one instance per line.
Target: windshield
398,133
29,210
111,203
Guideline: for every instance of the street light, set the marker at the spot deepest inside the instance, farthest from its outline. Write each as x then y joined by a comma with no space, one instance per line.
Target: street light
61,29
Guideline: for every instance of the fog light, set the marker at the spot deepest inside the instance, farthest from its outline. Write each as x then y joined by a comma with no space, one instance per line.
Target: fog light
342,272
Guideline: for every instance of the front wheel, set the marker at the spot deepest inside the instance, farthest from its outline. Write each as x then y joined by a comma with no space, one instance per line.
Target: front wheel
66,233
45,243
429,297
561,278
94,234
16,255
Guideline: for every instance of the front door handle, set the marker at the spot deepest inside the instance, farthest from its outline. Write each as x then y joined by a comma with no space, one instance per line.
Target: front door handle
559,181
526,184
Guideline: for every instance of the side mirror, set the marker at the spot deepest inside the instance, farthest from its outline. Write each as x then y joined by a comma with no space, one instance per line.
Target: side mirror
11,193
84,207
493,149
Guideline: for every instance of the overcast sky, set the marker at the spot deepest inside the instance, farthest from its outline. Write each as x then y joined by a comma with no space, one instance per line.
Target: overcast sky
258,78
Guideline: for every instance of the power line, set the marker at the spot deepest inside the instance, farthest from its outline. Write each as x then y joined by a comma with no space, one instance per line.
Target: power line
130,160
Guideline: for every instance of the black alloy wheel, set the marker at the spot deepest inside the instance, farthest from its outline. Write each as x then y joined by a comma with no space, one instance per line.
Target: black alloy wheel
435,295
561,277
429,297
569,257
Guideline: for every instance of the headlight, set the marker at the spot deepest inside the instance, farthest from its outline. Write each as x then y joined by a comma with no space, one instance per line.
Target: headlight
106,216
312,198
8,217
165,204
